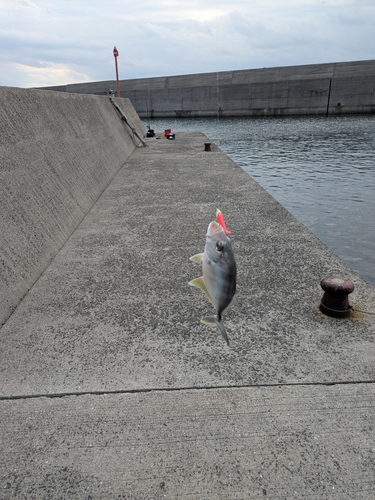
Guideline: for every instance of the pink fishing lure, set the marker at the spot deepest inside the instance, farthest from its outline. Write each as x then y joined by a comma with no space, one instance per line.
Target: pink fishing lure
221,221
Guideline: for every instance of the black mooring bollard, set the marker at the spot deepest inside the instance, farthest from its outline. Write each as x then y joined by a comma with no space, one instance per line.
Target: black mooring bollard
207,146
335,301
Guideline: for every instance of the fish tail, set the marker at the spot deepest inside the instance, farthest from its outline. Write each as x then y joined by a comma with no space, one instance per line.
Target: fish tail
213,320
223,331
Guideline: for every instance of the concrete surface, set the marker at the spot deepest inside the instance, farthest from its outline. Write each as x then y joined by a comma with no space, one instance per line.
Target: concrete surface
303,442
313,89
58,153
112,388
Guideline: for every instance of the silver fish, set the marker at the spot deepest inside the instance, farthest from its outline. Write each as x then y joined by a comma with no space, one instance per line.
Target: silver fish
219,273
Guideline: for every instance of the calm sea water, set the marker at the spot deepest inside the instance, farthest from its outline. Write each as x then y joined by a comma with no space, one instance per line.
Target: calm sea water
322,169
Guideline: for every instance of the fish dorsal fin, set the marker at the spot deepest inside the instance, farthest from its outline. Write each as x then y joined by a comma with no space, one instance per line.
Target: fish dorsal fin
199,282
198,258
235,302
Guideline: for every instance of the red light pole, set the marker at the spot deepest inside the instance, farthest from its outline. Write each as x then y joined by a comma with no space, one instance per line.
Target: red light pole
115,53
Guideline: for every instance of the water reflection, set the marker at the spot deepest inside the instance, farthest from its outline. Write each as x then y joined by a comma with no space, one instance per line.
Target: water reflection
321,169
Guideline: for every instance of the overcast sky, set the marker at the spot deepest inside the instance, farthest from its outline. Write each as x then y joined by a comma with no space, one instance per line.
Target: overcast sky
53,42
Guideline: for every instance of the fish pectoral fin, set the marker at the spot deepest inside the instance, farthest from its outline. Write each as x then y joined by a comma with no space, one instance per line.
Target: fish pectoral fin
199,282
197,259
212,320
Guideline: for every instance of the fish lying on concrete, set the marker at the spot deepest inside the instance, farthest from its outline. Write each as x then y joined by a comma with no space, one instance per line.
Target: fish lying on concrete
219,273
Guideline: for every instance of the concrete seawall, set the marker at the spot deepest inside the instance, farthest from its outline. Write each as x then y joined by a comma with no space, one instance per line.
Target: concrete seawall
317,89
58,153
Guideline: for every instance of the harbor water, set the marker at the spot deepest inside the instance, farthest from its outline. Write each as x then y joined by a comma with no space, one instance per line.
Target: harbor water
321,169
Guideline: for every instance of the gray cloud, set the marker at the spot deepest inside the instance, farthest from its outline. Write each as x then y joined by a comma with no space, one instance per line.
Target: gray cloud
43,42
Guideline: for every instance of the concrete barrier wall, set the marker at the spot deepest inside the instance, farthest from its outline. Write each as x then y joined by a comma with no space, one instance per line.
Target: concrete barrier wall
58,153
315,89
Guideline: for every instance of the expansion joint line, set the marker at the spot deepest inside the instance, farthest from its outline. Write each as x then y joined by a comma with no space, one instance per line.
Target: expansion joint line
184,389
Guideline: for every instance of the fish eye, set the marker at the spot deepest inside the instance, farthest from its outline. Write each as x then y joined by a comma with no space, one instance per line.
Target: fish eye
219,246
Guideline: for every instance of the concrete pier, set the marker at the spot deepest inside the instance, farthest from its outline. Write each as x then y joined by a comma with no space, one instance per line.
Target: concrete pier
112,388
314,89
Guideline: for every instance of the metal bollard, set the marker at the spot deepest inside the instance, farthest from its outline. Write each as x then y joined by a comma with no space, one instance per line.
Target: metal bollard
335,301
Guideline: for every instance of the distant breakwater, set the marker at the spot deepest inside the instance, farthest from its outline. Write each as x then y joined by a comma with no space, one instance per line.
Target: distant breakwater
315,89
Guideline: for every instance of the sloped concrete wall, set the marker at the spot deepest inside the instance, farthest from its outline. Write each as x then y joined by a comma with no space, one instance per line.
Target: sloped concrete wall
314,89
58,153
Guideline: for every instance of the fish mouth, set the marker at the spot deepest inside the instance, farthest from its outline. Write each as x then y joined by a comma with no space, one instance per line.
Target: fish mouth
213,228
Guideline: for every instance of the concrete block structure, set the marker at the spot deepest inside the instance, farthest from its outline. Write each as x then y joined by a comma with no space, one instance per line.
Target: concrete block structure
58,154
315,89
